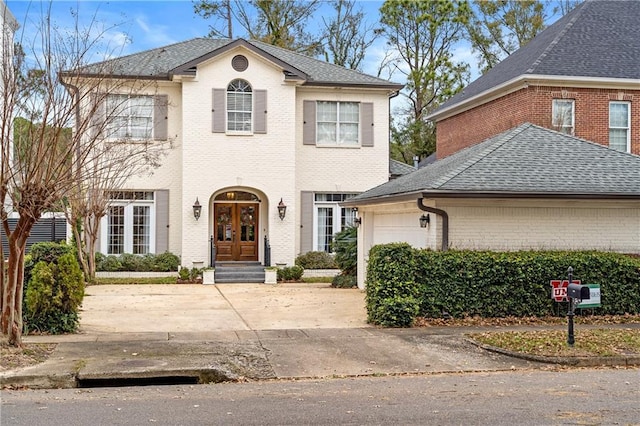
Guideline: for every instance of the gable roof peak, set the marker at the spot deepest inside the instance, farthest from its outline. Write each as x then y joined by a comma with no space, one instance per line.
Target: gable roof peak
599,40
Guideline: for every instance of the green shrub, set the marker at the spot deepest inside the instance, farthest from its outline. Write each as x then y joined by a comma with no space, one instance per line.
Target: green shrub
316,260
54,295
110,263
290,273
44,252
49,251
345,246
397,311
195,274
133,263
166,262
390,277
344,281
99,259
493,284
184,274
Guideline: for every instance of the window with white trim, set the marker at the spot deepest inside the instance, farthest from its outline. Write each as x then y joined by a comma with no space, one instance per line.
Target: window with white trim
129,223
563,117
337,123
239,106
329,219
129,117
619,121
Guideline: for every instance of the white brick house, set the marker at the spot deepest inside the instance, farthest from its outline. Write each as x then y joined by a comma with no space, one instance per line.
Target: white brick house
252,125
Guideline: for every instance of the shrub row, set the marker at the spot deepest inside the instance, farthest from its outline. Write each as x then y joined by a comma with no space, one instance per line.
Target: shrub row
402,281
316,260
164,262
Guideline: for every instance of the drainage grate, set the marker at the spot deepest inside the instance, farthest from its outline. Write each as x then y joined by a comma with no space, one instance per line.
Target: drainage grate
138,381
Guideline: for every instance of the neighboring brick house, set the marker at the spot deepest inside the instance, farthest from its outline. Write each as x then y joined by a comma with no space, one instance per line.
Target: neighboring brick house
253,126
580,76
503,183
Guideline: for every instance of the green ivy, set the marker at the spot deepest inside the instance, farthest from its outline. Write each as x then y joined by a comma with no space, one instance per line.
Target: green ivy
492,284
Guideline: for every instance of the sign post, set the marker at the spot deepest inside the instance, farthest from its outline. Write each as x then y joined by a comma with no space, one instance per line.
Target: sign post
570,337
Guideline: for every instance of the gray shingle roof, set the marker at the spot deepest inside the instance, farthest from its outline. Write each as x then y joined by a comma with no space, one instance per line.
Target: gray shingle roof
523,161
163,61
398,168
596,39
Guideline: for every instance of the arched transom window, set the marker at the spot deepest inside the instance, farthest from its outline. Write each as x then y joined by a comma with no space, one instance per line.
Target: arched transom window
239,106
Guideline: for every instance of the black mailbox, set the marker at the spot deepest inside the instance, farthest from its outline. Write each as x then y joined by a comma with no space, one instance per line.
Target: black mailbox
577,291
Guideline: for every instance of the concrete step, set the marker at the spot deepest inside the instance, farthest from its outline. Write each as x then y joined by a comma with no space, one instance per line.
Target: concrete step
239,272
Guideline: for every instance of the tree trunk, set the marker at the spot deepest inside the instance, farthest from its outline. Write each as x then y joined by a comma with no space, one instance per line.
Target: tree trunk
11,318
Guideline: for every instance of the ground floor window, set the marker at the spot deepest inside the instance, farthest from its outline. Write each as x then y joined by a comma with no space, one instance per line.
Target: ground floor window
128,225
329,218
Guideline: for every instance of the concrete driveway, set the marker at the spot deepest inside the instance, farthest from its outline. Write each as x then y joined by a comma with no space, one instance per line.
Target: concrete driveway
203,308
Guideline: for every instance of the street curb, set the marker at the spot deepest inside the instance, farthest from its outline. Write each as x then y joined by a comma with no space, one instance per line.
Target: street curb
574,361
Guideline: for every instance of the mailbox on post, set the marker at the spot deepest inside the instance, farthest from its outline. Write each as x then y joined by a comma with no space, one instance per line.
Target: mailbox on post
577,291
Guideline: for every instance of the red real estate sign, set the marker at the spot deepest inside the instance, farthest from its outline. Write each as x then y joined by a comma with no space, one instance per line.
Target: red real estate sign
559,289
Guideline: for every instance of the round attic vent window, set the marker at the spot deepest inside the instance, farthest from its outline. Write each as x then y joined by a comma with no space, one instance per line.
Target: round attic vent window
240,63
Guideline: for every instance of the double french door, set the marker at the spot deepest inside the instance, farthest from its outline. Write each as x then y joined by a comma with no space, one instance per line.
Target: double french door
235,231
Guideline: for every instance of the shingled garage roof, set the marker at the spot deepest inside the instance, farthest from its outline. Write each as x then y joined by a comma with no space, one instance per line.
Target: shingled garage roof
182,58
597,40
525,162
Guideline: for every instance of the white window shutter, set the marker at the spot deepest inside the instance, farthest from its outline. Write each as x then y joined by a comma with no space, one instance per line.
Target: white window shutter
366,122
309,123
160,117
260,111
218,111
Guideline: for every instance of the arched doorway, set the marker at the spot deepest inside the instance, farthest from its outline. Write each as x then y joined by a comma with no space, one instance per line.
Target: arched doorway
235,226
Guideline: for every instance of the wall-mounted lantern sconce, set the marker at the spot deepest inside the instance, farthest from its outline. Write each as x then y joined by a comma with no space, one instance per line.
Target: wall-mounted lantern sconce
357,221
197,209
282,209
424,220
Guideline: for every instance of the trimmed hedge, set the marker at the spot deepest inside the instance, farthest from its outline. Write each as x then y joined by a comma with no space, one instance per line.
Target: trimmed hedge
492,284
163,262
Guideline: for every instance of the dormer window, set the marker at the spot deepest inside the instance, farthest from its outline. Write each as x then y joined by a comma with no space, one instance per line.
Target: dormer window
239,106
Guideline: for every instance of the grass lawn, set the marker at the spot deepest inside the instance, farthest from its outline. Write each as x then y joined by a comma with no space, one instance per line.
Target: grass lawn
588,342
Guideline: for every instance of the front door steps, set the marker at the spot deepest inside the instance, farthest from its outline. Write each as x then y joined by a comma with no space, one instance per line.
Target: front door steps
239,272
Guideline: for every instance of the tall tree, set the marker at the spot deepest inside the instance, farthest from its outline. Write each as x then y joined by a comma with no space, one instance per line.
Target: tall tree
500,27
346,36
45,163
282,23
566,6
422,34
220,10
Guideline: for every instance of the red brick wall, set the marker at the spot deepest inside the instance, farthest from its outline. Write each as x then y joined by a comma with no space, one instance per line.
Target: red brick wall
533,105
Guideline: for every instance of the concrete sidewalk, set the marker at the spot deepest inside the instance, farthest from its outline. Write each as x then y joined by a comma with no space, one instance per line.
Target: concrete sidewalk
200,334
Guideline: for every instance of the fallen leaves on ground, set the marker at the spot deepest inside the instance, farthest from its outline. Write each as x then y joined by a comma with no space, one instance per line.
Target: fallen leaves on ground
524,321
588,342
12,357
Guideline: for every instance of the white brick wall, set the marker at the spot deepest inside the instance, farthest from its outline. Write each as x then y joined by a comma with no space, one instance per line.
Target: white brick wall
505,225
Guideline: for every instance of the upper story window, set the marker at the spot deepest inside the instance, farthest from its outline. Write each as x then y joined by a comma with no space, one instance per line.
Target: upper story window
563,116
239,106
130,117
338,123
619,131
